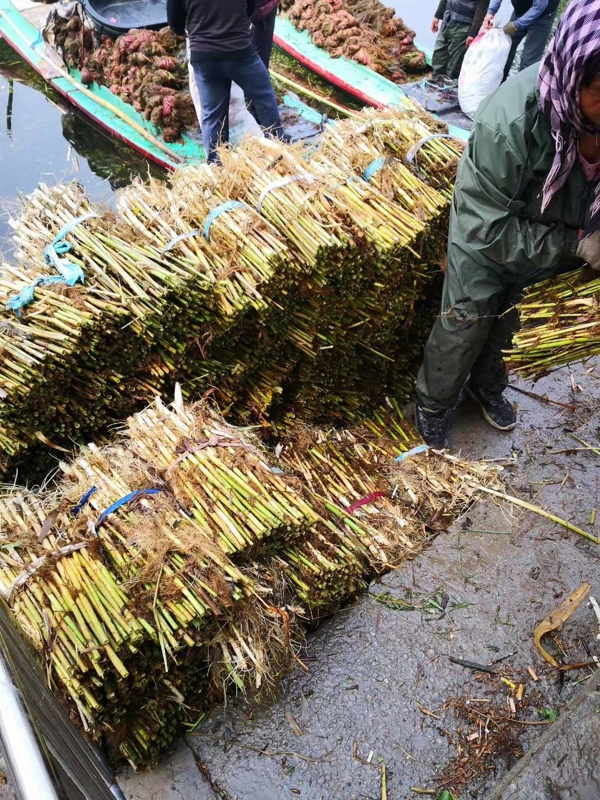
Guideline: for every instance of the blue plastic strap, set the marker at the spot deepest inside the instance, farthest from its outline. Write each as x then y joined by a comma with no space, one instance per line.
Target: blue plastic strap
129,498
27,294
374,167
230,205
421,448
180,238
84,500
68,273
71,225
416,147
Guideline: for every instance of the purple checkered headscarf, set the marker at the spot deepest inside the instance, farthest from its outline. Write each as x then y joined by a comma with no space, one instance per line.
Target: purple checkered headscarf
575,45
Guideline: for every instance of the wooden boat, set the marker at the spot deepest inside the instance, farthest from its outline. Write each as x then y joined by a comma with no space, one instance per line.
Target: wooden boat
357,80
20,23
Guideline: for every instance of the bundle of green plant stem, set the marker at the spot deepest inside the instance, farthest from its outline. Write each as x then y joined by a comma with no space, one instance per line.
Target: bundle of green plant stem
559,323
384,143
164,568
282,282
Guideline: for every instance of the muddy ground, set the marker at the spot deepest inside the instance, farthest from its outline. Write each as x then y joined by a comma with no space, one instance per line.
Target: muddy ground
380,687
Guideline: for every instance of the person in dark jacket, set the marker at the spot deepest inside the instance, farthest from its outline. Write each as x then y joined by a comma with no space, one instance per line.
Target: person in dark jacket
221,52
263,28
526,207
532,21
460,23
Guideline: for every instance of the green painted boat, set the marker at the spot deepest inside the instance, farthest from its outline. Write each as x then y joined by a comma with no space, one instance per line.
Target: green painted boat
357,80
20,21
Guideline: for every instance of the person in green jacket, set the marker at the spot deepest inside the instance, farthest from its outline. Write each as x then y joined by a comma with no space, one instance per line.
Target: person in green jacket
526,206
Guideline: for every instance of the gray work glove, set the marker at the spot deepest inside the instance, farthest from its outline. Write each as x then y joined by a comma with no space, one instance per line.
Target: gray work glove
589,250
511,29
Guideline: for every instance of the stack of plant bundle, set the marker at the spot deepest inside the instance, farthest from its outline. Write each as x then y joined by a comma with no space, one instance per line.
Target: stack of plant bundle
559,323
363,30
401,151
161,569
143,68
284,284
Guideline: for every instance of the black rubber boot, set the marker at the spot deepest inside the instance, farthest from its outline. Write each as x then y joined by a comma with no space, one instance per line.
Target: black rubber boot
432,427
497,410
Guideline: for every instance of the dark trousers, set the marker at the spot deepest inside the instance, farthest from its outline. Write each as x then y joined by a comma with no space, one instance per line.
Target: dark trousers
450,49
536,38
214,79
476,324
262,37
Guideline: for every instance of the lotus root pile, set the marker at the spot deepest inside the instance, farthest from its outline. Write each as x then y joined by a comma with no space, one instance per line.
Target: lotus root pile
142,68
363,30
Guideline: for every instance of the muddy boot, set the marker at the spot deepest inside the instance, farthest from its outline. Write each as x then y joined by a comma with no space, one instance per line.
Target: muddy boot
433,427
497,410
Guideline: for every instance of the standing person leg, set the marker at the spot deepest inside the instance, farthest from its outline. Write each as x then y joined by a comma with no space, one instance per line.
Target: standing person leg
489,376
262,37
516,41
439,59
471,298
253,77
457,48
536,40
214,88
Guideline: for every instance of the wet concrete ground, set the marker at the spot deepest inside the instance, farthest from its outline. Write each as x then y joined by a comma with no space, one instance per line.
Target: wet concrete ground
379,677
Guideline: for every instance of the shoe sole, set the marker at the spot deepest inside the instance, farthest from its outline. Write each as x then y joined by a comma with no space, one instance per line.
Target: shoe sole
487,417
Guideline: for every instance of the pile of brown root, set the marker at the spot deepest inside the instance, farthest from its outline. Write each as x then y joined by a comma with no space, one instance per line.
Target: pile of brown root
363,30
143,68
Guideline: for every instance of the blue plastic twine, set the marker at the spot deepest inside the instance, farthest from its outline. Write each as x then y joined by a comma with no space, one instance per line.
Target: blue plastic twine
180,238
129,498
84,500
374,167
230,205
69,273
421,448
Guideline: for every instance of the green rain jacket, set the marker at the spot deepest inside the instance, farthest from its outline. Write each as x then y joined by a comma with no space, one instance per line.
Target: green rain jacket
497,231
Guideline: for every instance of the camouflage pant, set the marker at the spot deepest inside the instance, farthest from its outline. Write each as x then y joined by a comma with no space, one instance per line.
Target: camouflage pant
450,49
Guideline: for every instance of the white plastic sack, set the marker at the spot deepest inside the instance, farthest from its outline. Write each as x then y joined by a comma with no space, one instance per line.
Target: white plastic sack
482,69
241,121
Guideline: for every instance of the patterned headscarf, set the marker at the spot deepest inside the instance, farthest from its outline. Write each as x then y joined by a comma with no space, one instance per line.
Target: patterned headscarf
575,44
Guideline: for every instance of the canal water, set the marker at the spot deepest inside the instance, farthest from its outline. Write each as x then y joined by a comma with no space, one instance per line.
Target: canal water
43,139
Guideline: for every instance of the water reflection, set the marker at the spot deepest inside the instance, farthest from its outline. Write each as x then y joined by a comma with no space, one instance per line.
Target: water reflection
43,139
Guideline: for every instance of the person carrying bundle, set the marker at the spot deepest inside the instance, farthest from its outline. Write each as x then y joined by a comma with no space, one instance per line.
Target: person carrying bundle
221,52
532,21
460,24
526,207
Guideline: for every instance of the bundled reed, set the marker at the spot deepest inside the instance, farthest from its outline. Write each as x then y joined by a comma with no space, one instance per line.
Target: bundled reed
559,323
162,569
282,281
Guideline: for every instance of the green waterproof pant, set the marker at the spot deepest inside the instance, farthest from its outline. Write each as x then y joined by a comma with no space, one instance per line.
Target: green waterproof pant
476,323
450,49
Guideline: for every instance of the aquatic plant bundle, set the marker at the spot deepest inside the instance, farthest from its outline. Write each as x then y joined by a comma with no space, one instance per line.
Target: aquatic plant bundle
365,31
393,148
559,323
143,68
161,570
281,283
